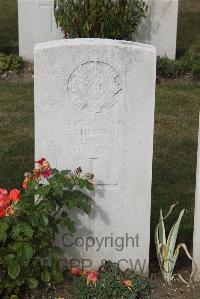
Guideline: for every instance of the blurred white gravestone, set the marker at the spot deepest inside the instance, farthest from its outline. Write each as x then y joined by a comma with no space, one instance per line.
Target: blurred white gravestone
37,24
94,108
160,27
196,237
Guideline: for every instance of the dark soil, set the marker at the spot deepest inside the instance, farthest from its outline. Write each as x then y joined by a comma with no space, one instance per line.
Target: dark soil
178,289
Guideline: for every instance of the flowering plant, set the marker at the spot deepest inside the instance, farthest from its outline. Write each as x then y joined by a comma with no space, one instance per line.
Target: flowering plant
108,282
30,220
8,201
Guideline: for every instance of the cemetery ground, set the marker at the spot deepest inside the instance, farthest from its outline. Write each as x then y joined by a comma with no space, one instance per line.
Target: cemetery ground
174,163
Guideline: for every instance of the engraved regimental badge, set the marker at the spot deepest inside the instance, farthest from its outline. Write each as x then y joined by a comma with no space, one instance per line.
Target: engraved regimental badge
94,86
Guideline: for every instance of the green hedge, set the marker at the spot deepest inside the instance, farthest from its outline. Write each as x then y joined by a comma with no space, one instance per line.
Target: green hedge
10,62
115,19
189,63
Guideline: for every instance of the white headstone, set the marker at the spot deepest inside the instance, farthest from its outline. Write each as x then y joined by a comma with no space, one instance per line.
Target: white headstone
196,237
94,108
37,24
160,26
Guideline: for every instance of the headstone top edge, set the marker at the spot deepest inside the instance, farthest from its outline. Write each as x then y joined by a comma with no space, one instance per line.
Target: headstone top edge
91,42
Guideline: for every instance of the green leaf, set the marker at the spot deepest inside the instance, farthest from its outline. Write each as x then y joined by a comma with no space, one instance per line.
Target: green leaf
26,251
32,283
58,189
81,183
89,185
46,276
161,230
85,206
14,269
22,231
20,280
32,185
72,203
78,198
28,232
4,226
69,223
43,191
3,236
46,205
171,240
8,258
54,171
35,219
57,276
44,220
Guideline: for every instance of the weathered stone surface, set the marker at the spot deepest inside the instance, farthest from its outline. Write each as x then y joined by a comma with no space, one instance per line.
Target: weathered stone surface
36,23
94,108
160,27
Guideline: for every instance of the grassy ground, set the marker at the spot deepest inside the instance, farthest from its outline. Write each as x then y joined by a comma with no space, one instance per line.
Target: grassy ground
8,26
188,24
174,166
16,132
175,150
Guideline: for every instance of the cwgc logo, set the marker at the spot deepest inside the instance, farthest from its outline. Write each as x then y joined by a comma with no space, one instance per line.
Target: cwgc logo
94,86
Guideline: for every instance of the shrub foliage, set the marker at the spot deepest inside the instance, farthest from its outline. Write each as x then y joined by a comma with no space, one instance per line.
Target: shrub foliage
108,282
30,221
187,64
10,62
115,19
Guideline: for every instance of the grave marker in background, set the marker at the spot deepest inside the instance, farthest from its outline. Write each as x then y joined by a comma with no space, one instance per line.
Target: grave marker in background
37,24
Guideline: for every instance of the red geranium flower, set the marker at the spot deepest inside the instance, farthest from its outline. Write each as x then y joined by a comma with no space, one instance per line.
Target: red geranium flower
44,169
128,283
75,271
2,213
4,199
92,277
15,195
47,173
3,192
41,161
25,183
10,211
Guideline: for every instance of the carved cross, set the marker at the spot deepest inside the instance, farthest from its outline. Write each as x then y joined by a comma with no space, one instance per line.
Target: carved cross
48,6
93,169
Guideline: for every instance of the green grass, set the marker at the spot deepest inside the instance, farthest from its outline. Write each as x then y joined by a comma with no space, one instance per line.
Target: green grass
188,24
16,132
175,146
175,151
8,26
